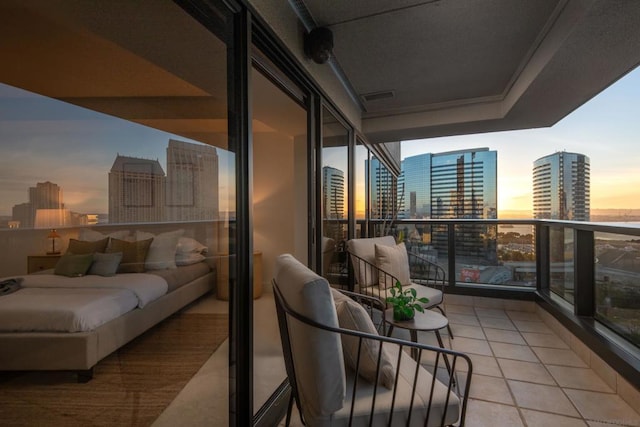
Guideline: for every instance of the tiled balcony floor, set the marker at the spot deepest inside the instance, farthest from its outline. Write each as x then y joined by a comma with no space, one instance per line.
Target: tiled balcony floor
525,374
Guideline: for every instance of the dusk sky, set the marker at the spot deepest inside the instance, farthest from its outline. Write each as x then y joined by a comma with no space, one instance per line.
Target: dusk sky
47,140
606,129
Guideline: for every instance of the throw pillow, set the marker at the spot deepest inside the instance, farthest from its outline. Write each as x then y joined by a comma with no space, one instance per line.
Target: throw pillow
78,247
133,254
395,261
72,265
188,245
352,315
92,235
189,258
105,264
162,253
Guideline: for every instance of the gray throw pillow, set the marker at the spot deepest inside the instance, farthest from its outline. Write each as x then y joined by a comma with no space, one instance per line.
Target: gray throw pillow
105,264
73,265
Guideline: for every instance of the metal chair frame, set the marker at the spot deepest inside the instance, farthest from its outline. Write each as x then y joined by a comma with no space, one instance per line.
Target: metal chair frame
423,272
285,314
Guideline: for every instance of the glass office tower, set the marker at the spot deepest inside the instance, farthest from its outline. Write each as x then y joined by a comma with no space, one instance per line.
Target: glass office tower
561,187
452,185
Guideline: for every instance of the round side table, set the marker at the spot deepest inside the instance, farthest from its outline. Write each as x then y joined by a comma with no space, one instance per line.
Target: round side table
427,321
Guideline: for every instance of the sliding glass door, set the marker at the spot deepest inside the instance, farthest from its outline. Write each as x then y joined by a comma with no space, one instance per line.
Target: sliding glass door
116,145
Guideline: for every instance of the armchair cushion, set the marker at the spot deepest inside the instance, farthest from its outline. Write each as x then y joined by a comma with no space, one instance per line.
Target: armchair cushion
395,261
352,315
365,249
442,400
316,354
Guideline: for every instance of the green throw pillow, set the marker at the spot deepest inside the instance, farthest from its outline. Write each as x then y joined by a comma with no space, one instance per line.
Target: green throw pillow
73,265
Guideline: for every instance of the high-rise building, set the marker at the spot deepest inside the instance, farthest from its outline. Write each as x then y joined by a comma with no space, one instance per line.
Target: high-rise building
561,187
332,193
415,176
44,196
333,202
136,190
192,181
453,185
385,188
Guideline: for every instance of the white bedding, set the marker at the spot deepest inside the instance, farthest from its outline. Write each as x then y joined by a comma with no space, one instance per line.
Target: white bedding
146,287
54,303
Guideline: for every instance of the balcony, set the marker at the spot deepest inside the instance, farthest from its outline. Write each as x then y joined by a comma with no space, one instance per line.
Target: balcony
547,310
535,361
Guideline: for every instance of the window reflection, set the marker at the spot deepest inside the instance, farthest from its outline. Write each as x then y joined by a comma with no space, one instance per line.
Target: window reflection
113,123
335,198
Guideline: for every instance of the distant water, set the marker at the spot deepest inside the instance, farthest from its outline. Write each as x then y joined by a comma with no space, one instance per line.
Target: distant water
528,229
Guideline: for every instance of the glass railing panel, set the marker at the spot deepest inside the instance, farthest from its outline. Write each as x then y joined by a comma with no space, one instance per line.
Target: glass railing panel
617,277
561,276
477,254
516,255
418,238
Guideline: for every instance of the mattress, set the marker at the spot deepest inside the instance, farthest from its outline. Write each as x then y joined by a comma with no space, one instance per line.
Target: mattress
63,309
178,277
54,303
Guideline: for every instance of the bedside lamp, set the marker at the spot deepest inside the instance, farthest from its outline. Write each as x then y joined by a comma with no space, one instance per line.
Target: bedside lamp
53,235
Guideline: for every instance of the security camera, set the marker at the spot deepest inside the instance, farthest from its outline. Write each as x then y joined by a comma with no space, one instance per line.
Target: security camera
318,44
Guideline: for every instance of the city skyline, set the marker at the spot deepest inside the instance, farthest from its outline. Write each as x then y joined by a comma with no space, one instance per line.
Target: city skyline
49,140
606,129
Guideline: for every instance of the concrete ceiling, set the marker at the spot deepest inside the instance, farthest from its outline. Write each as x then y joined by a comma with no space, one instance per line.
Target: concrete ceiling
453,66
144,61
464,66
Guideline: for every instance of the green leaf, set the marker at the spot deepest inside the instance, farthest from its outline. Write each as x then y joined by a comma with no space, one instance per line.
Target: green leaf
423,300
419,308
413,292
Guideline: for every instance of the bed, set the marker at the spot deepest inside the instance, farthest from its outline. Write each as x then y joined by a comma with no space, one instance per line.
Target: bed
59,323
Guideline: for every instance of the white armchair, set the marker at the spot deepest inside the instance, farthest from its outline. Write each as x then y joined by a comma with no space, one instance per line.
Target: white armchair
378,263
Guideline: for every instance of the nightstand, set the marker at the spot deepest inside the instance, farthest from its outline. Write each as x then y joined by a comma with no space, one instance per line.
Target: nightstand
37,263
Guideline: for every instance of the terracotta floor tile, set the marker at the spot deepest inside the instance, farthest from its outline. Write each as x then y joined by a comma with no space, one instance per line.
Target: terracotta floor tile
578,378
496,323
543,419
556,356
486,414
529,326
501,335
525,371
513,351
603,407
544,340
490,388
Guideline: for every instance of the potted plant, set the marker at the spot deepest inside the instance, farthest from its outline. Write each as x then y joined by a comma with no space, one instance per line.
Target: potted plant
405,302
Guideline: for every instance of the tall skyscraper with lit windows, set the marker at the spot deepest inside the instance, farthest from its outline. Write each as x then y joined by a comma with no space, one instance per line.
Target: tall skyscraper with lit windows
561,187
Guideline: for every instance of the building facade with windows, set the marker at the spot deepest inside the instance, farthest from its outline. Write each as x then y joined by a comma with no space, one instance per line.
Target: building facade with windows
561,187
136,190
192,181
452,185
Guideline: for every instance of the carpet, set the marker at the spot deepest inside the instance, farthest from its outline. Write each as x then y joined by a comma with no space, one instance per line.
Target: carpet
131,387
